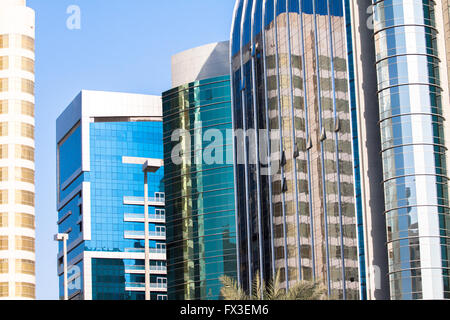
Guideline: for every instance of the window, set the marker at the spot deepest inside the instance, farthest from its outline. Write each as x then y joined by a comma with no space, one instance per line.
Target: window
4,266
3,84
25,152
24,243
25,130
159,196
25,197
25,175
3,174
3,219
26,290
25,266
3,106
24,220
162,282
161,297
27,64
160,211
3,196
27,86
27,108
4,243
4,41
160,230
3,129
4,289
3,151
4,63
27,43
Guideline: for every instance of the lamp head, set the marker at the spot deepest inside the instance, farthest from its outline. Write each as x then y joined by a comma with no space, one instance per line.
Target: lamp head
61,236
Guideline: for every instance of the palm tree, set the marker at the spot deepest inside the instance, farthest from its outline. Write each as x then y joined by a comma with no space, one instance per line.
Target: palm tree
302,290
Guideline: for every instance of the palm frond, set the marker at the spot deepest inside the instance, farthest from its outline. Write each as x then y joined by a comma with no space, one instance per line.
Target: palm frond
258,286
231,290
278,293
307,290
272,289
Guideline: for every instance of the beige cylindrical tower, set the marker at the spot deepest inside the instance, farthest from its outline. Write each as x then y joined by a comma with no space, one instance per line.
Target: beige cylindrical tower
17,222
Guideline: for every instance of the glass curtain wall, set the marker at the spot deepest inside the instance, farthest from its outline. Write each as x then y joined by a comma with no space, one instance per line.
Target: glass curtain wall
413,148
290,78
200,200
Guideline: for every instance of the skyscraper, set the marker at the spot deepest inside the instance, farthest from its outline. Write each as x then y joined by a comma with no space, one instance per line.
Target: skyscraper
103,141
199,181
352,97
17,227
413,96
290,80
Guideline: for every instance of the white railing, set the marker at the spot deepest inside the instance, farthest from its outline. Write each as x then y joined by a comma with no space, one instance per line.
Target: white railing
135,285
152,250
142,234
157,250
142,285
140,216
158,285
135,268
142,268
158,268
141,199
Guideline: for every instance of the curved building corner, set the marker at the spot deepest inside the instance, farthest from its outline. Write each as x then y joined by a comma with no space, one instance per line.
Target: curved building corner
199,175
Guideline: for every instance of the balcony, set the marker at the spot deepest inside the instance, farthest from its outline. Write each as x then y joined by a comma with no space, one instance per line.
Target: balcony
141,269
140,235
142,250
152,218
139,286
139,201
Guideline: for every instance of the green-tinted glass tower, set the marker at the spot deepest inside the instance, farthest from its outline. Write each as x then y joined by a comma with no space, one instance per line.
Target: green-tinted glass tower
199,179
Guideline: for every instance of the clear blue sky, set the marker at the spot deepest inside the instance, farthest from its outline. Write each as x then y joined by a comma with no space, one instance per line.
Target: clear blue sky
123,45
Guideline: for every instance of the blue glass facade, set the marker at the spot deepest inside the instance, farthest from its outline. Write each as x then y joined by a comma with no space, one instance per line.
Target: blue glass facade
104,216
414,151
111,181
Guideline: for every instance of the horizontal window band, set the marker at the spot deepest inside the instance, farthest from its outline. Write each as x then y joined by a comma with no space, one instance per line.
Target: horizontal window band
408,54
415,237
405,25
414,175
415,144
412,84
418,206
413,114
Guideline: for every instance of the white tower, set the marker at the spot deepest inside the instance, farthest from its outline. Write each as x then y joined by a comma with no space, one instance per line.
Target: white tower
17,227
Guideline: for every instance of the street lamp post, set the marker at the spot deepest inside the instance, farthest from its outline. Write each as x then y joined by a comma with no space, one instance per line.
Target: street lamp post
64,237
151,165
146,234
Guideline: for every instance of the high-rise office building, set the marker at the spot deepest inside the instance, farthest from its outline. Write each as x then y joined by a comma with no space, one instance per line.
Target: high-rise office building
103,141
290,80
199,181
413,96
353,97
17,226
